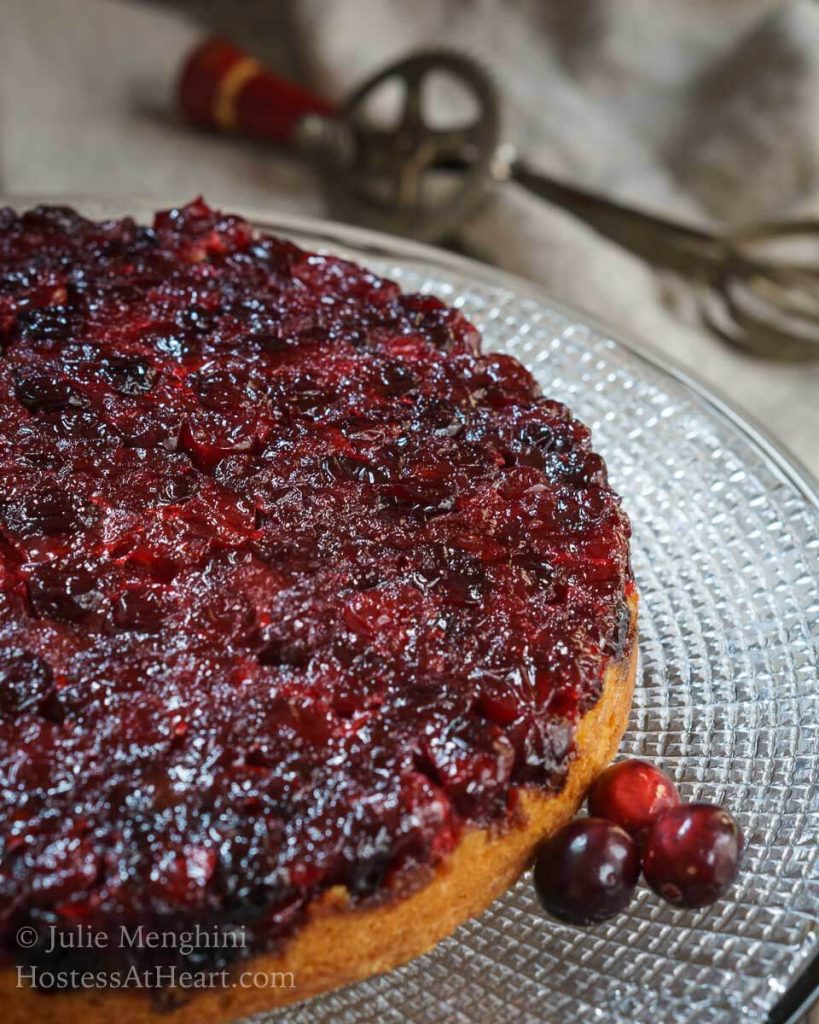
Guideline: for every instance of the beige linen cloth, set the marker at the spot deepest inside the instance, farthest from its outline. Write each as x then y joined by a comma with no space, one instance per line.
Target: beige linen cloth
707,109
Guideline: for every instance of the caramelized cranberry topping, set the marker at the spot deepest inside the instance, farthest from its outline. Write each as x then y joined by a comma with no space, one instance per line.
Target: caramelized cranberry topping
294,581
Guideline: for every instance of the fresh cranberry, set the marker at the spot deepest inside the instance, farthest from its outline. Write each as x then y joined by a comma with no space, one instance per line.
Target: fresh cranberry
632,794
587,872
692,854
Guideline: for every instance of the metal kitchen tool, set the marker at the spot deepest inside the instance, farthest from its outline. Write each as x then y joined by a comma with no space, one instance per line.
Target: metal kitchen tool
407,175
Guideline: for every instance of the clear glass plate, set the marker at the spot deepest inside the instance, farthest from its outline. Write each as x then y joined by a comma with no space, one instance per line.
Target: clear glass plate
726,554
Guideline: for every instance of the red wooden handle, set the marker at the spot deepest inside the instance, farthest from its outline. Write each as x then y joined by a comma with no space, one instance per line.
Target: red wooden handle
225,88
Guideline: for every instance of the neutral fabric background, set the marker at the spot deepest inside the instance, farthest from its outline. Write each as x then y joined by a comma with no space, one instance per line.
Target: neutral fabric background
705,109
708,109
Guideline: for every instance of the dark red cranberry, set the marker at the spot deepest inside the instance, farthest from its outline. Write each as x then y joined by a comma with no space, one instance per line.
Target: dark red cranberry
692,854
26,684
221,392
140,609
60,594
145,562
472,762
43,393
82,425
396,379
67,866
228,615
632,794
538,435
52,512
178,489
499,703
208,447
587,872
45,324
279,651
128,376
195,319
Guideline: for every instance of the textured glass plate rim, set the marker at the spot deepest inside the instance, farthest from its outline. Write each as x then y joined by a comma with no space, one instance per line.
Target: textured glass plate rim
325,235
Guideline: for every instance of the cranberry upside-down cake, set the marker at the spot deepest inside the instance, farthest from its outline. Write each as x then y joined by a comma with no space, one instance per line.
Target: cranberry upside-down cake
314,618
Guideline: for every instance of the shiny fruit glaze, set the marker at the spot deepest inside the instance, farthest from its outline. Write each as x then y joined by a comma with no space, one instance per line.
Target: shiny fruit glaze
294,581
587,872
692,854
632,794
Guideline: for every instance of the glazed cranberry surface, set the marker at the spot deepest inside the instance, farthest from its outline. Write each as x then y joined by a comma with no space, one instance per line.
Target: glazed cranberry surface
294,581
